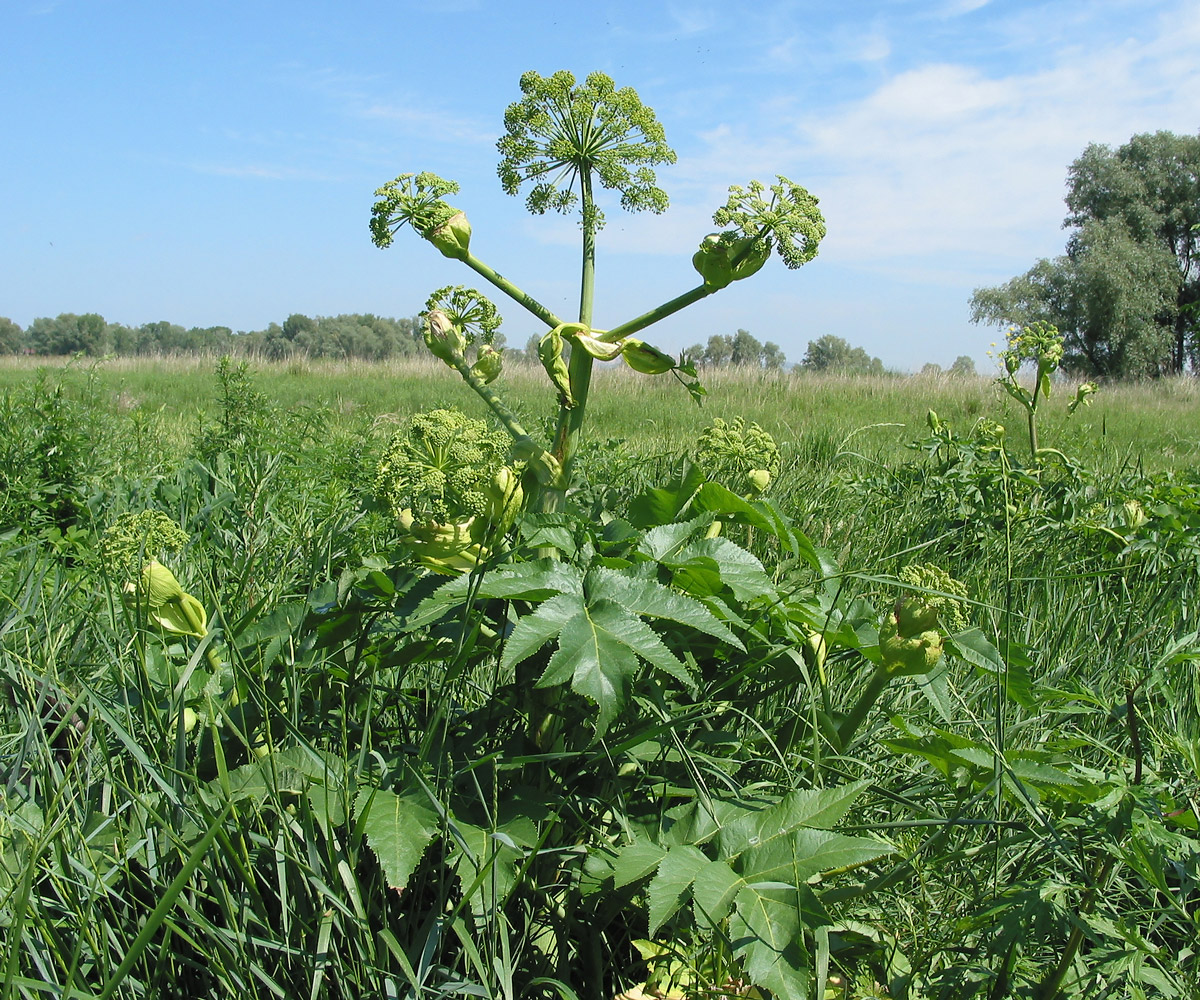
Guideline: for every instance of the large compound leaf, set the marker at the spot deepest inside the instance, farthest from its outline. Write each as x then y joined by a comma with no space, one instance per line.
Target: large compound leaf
672,886
594,656
716,887
538,627
766,930
398,829
648,597
793,859
818,809
706,566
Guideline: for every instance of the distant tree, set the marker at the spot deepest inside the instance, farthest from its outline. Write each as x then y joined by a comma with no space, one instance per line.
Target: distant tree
930,368
1125,295
746,349
719,351
68,333
11,336
835,356
743,348
963,367
772,356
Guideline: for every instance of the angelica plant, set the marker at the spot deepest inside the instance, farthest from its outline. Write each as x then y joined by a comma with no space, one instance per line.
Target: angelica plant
567,142
132,545
446,480
1041,344
912,636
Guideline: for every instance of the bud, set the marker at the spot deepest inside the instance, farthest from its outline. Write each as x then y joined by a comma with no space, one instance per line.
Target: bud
598,349
174,610
453,237
443,338
644,358
721,260
488,365
550,353
506,497
905,655
158,585
759,480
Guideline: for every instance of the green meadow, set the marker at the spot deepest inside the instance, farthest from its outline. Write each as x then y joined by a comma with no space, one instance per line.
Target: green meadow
917,719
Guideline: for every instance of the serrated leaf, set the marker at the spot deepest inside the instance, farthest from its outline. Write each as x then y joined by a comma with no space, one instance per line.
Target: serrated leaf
795,858
600,665
713,892
398,829
671,886
815,808
734,568
648,597
643,640
975,647
663,505
534,630
767,935
635,861
665,541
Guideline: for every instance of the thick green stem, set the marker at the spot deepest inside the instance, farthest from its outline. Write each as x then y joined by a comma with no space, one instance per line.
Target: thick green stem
494,402
658,312
855,717
519,296
579,368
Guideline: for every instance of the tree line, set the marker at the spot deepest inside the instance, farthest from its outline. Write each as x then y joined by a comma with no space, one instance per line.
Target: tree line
351,336
364,336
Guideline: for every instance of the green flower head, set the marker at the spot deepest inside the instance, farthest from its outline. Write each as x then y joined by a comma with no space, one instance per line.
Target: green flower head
416,200
743,456
789,218
560,135
913,633
134,540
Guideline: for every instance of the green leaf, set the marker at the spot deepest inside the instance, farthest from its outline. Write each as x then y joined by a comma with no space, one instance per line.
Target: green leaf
713,892
975,647
644,641
766,931
819,809
635,861
671,887
703,566
794,859
398,829
534,630
485,865
665,542
663,505
649,597
600,665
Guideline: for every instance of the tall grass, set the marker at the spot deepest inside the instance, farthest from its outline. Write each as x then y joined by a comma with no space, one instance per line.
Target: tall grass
140,859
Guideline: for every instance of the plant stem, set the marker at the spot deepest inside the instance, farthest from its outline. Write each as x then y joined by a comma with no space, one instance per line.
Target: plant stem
579,368
870,694
657,313
494,402
519,296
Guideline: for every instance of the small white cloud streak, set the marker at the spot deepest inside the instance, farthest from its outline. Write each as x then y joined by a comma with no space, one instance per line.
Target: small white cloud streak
431,124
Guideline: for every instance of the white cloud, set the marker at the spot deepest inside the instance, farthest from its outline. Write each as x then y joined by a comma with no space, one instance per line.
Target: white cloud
432,125
945,164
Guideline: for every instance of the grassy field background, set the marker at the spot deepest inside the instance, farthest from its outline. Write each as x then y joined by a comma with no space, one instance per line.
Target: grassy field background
1154,426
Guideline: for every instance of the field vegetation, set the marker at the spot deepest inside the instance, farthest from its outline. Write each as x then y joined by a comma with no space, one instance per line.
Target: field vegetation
453,678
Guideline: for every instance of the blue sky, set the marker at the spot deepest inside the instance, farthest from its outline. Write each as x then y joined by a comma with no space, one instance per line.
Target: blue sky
214,163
